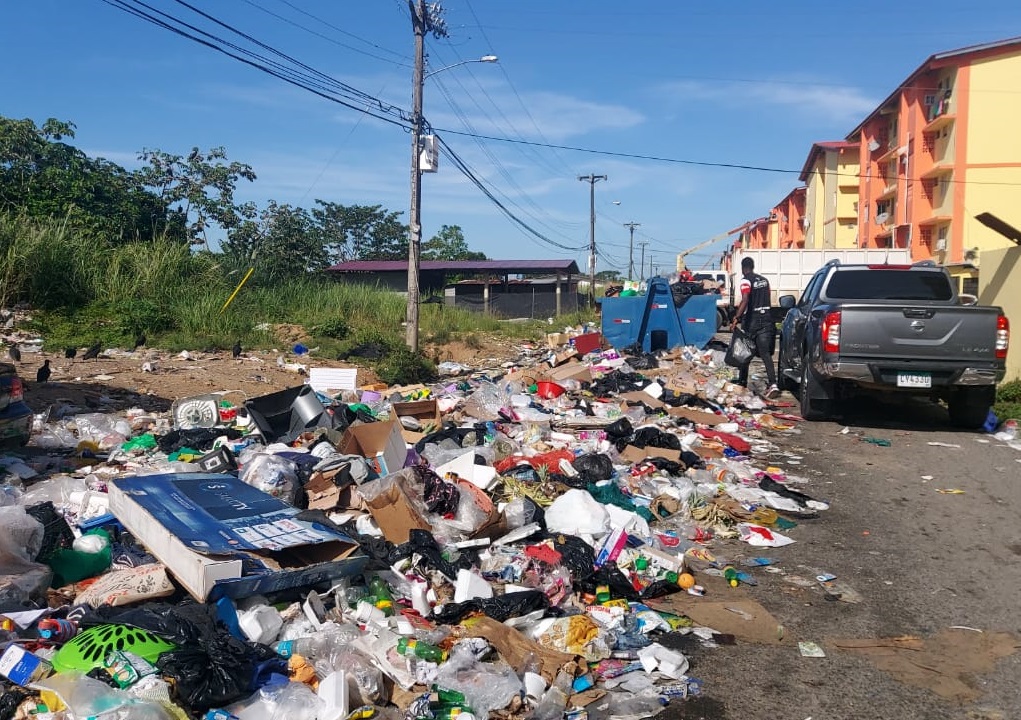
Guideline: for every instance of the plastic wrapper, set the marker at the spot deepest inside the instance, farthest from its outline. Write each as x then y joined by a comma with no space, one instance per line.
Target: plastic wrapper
107,431
89,698
365,680
21,539
53,435
486,687
486,402
520,512
273,475
292,701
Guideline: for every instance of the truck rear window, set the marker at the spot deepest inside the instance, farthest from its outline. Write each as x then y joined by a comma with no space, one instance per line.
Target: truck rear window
875,284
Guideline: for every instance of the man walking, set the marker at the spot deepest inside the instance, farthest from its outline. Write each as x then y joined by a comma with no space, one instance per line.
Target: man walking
757,323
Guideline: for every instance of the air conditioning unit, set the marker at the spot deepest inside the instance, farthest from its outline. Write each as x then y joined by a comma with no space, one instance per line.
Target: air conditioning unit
806,222
941,245
873,145
772,217
881,218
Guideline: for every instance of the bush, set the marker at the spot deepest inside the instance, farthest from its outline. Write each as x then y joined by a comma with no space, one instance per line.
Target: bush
334,328
401,366
1008,401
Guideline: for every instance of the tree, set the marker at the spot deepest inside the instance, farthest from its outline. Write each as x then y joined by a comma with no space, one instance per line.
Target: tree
360,232
608,275
281,243
42,176
201,186
449,244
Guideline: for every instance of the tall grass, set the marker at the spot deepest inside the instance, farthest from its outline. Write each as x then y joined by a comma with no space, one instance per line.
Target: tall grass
84,289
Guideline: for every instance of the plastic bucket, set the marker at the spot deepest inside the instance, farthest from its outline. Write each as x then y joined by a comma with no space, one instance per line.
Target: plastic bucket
548,390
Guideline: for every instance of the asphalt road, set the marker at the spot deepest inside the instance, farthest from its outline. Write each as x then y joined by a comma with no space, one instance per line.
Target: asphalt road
921,560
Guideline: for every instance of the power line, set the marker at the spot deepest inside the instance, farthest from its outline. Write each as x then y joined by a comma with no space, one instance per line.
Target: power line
325,37
346,32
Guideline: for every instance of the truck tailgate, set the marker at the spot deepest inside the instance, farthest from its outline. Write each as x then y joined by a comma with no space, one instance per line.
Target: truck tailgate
943,333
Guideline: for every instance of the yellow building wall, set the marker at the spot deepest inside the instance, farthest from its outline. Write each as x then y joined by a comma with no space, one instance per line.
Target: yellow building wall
999,283
984,192
815,205
994,106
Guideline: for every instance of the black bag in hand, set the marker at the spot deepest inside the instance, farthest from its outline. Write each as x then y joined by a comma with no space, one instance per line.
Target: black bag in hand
741,349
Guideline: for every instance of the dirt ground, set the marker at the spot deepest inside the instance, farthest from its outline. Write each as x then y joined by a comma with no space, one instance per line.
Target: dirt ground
153,378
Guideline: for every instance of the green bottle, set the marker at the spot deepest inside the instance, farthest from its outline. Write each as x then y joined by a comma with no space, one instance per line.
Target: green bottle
730,574
382,598
425,651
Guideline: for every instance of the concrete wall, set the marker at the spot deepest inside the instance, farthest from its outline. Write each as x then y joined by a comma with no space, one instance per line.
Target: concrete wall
999,283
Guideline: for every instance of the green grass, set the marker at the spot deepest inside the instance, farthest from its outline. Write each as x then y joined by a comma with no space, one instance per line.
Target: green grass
85,289
1008,400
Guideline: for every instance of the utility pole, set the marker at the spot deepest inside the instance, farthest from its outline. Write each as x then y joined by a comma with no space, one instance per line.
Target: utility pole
631,249
592,180
641,266
423,19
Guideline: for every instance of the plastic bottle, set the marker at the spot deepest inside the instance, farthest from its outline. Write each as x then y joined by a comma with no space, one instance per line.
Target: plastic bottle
306,647
730,574
382,597
422,650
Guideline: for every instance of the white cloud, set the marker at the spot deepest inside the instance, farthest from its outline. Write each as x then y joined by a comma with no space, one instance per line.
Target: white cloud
806,98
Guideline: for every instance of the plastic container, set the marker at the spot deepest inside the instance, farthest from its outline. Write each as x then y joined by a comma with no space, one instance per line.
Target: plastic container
548,390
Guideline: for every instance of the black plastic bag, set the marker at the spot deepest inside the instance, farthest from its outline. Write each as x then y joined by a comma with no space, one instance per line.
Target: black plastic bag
645,361
9,702
422,543
195,438
594,467
575,554
654,437
57,533
184,624
219,671
659,588
611,576
740,351
668,466
619,429
499,608
770,485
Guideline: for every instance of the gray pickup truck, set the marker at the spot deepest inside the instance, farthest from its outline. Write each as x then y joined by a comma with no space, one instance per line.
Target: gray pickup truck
891,328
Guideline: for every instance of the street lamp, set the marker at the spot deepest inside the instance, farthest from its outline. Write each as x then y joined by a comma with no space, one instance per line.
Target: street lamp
415,223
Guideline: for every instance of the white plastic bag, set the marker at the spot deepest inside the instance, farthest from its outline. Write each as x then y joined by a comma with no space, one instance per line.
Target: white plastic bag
272,474
577,513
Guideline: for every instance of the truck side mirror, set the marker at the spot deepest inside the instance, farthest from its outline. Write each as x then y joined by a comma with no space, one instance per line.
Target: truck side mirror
787,302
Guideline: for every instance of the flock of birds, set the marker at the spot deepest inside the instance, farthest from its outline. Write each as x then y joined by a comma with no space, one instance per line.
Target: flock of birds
42,375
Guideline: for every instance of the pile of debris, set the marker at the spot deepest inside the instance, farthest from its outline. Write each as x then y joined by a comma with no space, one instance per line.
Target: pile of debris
513,543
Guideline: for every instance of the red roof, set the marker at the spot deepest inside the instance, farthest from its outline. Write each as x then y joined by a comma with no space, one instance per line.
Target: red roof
820,147
509,267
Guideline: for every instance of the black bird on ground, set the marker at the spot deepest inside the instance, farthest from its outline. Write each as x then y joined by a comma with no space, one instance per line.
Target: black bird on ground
14,353
70,352
235,351
92,353
43,373
139,341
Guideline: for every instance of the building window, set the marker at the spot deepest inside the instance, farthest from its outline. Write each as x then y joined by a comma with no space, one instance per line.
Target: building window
969,286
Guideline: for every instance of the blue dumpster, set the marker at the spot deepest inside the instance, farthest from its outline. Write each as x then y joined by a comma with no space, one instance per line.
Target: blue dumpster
654,322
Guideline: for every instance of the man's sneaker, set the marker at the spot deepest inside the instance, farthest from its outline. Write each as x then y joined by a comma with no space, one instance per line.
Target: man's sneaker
772,392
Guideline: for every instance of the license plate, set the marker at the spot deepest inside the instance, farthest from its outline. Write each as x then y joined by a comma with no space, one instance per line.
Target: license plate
914,380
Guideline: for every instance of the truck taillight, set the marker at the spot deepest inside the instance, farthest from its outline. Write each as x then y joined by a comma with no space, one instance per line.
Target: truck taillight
17,390
1002,337
831,332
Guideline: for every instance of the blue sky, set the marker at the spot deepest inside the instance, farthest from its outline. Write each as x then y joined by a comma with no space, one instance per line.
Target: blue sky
740,82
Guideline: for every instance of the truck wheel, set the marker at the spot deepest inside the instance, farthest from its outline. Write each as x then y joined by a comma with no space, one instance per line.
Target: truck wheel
783,364
969,407
721,320
811,407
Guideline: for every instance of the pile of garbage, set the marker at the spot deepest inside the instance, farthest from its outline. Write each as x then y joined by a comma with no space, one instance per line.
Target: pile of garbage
501,544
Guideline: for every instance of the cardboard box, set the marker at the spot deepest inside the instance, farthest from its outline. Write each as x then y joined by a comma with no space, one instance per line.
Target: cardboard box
555,340
571,371
222,538
381,443
585,344
426,412
22,667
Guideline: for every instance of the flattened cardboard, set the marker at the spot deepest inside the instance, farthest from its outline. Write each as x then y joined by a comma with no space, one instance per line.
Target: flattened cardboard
640,396
425,411
736,615
222,538
697,416
636,455
516,649
381,443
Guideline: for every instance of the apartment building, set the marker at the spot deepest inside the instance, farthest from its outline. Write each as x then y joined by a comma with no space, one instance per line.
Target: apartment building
938,151
830,174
